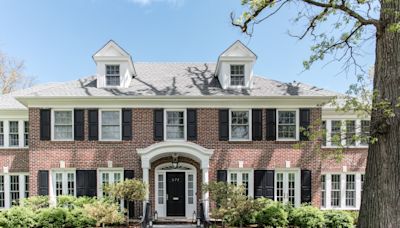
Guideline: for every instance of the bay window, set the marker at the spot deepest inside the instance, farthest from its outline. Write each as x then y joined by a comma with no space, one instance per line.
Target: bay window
175,128
240,125
287,125
110,125
63,125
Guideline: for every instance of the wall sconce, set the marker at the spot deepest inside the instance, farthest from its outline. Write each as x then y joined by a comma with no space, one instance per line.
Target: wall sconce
175,162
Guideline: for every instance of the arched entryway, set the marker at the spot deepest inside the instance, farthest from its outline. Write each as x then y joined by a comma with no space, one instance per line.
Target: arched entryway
174,186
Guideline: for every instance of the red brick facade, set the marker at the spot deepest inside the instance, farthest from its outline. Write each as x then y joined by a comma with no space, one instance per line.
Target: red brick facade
45,155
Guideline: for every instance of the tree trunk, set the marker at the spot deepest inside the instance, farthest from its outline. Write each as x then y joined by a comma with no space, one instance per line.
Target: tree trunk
380,205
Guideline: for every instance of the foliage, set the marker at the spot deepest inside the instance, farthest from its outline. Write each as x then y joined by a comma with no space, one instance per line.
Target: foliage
354,215
338,219
306,216
104,213
78,218
52,217
271,214
72,201
234,207
36,202
131,190
18,217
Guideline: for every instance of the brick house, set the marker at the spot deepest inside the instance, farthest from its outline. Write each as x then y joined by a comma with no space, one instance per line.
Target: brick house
176,126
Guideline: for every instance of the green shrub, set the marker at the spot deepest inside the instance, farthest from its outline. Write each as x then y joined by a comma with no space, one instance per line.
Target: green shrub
354,215
306,216
20,217
271,214
36,202
104,213
3,220
79,219
52,217
338,219
72,201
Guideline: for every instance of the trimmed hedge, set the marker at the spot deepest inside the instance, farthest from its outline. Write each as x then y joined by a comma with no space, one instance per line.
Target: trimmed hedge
307,216
338,219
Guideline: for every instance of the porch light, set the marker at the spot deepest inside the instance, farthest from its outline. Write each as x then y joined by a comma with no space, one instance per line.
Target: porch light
155,216
175,162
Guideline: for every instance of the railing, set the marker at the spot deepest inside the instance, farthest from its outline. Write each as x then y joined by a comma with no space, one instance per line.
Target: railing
146,219
201,217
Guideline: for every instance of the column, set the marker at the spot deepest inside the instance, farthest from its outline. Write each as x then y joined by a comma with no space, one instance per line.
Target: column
146,181
205,194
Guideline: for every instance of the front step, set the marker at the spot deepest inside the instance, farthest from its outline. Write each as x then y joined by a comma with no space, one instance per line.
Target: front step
174,226
173,220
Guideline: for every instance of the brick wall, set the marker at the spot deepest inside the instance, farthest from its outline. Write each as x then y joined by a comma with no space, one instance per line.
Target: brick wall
255,154
17,160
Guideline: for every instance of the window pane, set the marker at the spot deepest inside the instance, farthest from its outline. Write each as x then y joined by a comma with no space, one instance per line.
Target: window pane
110,118
350,132
26,186
323,193
324,133
63,117
111,125
63,132
287,124
13,136
175,125
2,200
62,125
234,178
26,133
14,190
71,184
1,133
237,75
110,132
112,75
240,125
350,190
336,133
59,184
365,128
160,189
335,193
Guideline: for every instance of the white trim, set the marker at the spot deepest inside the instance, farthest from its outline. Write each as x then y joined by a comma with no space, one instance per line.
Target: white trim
343,132
297,125
240,173
53,122
162,208
64,172
101,126
297,186
21,184
111,172
184,124
250,124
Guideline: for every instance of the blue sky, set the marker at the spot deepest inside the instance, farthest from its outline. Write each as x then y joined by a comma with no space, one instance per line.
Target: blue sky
56,39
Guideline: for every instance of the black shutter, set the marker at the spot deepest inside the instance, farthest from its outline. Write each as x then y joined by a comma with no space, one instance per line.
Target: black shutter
86,183
129,174
191,124
257,124
304,123
93,119
222,175
305,186
223,124
158,124
264,183
45,124
271,124
43,182
126,124
79,128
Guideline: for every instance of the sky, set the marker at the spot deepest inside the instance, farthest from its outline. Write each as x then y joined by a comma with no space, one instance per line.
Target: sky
56,39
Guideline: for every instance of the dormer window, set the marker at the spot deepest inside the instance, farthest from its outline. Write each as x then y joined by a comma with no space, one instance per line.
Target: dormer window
112,75
237,75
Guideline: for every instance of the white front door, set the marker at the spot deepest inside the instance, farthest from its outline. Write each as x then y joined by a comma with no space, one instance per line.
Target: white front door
287,187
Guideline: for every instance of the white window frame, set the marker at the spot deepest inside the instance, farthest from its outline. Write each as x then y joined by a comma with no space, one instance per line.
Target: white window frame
2,132
53,124
250,124
111,180
64,173
26,134
7,193
105,76
239,173
101,125
297,124
244,75
343,133
328,181
184,124
6,133
18,133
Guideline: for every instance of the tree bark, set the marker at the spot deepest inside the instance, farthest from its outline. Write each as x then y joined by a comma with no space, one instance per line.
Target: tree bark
380,205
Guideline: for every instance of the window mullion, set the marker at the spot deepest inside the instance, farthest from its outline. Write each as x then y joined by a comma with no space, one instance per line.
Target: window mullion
328,190
343,180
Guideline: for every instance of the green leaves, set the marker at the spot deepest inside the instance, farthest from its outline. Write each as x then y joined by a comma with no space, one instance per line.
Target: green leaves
131,190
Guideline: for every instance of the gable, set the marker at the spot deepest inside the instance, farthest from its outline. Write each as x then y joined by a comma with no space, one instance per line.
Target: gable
111,49
238,49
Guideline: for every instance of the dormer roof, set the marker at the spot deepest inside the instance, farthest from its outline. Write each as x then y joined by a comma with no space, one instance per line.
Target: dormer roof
238,49
111,51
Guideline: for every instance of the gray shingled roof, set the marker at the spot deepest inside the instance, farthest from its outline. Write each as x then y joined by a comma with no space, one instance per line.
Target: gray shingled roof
172,79
186,79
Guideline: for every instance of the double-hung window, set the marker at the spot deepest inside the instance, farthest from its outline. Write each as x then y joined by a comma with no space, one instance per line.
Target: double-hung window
110,125
242,178
350,190
323,191
237,75
112,75
26,133
287,125
335,190
240,125
175,125
63,125
1,133
2,196
109,177
336,133
365,128
13,134
350,132
64,183
26,186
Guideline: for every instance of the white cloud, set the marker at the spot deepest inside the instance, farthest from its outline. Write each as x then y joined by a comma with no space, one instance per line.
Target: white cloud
174,3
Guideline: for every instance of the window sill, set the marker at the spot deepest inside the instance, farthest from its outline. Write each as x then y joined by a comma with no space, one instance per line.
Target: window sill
287,140
13,148
340,208
344,147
